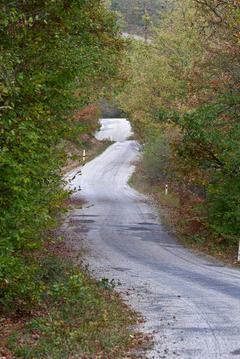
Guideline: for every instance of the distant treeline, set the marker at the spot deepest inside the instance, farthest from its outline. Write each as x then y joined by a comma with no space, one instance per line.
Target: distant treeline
138,15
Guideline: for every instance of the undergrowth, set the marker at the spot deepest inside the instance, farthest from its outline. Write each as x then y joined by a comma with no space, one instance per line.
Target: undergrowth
183,218
76,318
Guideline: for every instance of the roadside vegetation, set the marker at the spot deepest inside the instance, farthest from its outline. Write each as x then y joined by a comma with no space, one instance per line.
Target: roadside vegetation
77,317
183,99
57,59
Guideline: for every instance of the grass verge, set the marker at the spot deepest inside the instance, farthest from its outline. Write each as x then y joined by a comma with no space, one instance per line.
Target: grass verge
77,317
75,153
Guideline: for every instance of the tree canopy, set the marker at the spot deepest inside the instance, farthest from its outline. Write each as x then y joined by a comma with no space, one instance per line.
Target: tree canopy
56,56
185,87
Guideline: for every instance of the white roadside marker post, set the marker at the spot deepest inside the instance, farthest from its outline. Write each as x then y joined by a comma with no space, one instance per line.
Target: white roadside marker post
166,189
84,155
238,252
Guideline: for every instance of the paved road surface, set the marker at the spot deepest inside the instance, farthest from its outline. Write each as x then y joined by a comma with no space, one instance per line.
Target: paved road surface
191,304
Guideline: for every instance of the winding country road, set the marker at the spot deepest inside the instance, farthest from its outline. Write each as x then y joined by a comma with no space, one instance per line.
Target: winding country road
191,304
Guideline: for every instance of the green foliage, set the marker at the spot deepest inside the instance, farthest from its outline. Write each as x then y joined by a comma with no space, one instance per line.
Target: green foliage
19,289
107,284
79,318
223,200
205,147
157,157
47,51
187,79
164,116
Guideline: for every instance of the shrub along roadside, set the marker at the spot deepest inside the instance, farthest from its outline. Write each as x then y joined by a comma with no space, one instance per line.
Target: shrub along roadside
56,57
78,317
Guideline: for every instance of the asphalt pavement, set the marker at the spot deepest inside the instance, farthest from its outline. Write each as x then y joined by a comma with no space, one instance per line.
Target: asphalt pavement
191,304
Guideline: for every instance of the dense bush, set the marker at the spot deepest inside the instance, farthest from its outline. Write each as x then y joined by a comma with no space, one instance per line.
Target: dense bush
211,143
80,318
48,50
157,157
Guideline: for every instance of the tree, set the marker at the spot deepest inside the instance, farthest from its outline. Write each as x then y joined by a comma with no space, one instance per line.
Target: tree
56,57
188,78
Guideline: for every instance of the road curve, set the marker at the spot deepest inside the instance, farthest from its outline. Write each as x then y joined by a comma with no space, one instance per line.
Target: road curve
191,304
